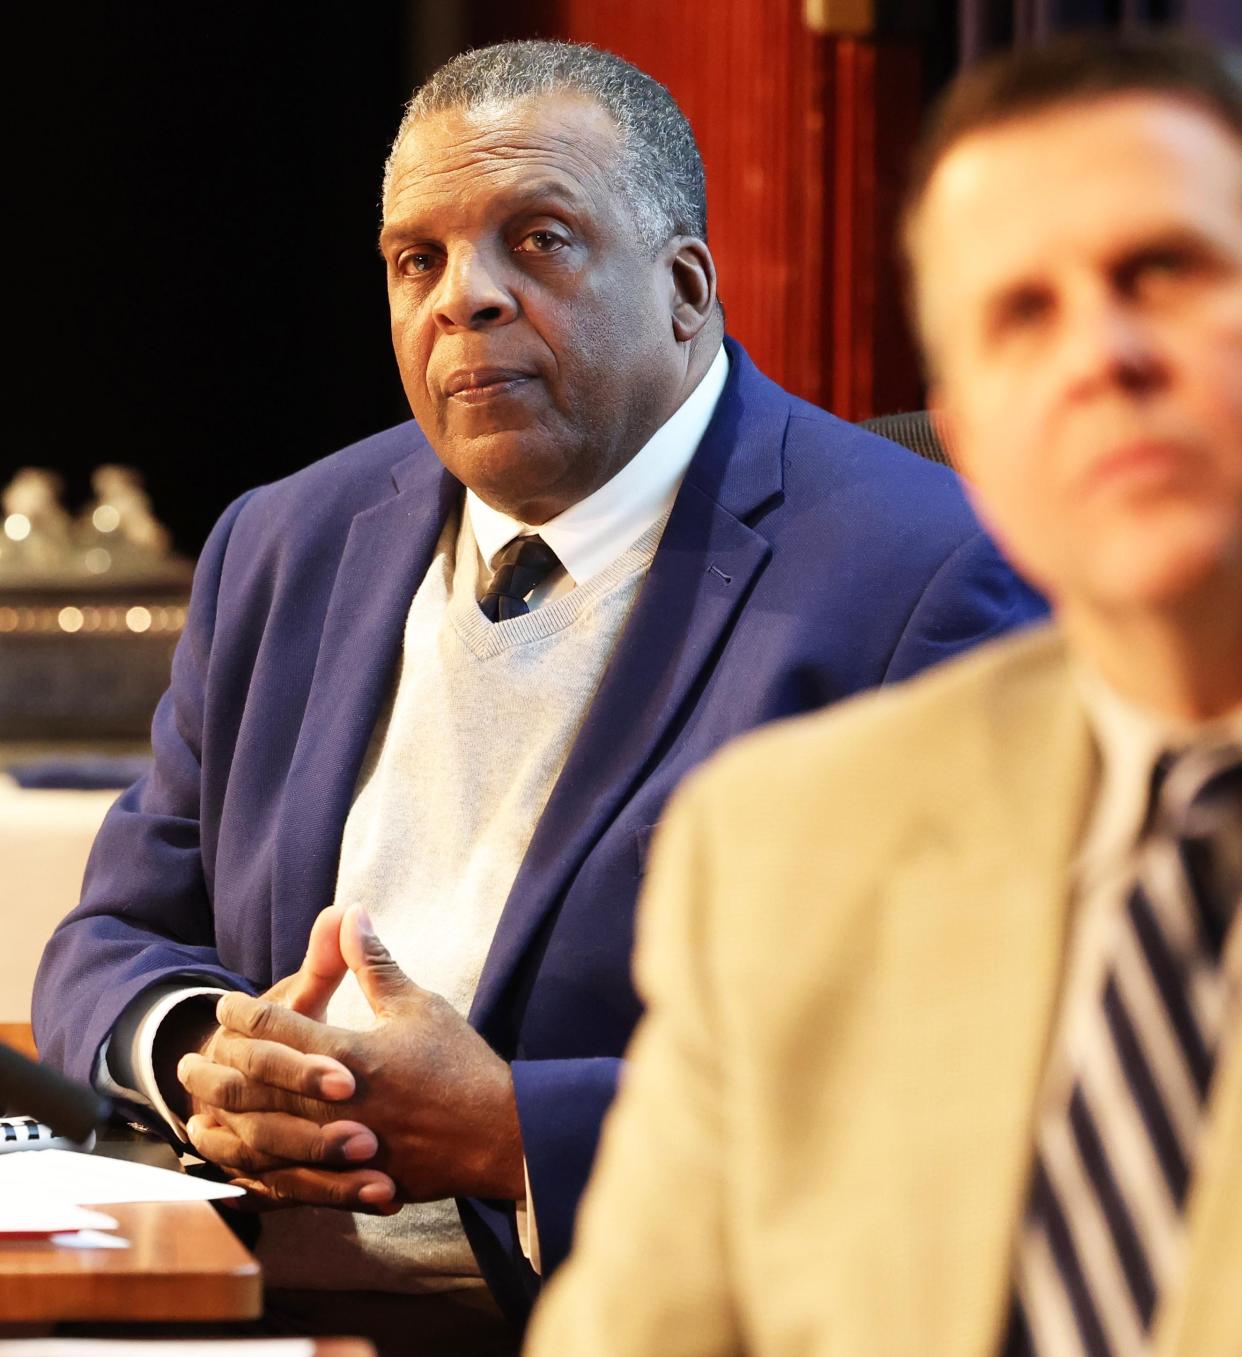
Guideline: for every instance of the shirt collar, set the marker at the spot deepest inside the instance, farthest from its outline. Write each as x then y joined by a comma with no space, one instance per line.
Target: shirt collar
590,535
1130,740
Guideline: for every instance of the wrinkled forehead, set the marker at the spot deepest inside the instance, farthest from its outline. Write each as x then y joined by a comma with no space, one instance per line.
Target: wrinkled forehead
560,137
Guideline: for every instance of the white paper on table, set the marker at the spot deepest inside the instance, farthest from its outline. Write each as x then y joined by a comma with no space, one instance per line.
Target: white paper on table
178,1347
89,1239
25,1213
92,1180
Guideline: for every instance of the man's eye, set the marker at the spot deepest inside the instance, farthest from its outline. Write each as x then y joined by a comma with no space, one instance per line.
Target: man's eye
1021,310
415,261
1158,269
540,242
1166,261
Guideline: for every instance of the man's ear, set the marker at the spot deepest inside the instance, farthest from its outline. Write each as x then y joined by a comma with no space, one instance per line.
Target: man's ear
692,273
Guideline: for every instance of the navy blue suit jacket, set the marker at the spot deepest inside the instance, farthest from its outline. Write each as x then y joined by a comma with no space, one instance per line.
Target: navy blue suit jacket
804,560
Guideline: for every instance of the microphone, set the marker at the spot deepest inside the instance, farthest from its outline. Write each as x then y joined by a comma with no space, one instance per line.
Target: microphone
33,1090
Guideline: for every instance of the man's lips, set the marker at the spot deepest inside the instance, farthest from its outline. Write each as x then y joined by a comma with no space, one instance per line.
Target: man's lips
474,384
1145,461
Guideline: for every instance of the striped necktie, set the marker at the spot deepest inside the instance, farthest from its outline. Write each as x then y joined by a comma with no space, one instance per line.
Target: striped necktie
1102,1237
520,567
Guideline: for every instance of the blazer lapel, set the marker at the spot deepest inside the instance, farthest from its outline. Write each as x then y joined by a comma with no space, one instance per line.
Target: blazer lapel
700,575
1204,1319
1034,778
386,554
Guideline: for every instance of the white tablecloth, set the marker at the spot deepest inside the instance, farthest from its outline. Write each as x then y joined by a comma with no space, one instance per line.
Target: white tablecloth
45,837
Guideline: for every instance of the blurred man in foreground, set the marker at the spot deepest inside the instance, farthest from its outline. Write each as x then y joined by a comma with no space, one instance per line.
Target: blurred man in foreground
944,1045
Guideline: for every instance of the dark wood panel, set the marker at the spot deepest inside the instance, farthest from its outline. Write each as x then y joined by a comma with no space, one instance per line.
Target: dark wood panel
875,114
19,1036
183,1263
804,138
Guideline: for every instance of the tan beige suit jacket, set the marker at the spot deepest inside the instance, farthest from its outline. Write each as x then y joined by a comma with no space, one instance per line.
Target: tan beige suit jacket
852,945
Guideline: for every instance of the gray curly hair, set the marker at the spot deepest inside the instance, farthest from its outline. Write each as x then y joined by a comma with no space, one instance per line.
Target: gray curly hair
660,173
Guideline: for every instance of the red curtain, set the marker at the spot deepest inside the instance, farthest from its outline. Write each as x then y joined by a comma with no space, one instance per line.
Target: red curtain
805,139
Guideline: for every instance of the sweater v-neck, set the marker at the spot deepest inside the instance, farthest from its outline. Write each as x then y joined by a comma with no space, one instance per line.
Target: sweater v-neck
486,639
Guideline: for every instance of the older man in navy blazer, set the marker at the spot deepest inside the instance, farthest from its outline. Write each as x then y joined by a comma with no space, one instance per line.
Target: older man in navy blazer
452,674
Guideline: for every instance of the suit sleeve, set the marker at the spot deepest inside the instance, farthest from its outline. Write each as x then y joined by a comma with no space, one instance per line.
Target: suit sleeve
561,1104
146,912
651,1266
973,597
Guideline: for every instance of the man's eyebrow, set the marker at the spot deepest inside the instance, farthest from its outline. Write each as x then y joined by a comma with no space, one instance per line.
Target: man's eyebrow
1006,291
524,198
545,190
389,233
1177,238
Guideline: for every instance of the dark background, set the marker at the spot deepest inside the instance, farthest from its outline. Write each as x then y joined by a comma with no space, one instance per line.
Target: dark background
193,277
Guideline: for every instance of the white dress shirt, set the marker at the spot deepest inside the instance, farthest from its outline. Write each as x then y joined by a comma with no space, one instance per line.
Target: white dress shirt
1130,740
590,535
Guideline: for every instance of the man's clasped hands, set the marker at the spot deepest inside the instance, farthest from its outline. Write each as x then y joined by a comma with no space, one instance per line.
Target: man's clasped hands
415,1108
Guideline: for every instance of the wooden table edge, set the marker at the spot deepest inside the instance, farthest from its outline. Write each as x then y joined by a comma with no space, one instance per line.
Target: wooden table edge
45,1283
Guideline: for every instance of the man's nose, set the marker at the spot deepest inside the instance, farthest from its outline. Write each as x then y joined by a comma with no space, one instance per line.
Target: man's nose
472,294
1112,344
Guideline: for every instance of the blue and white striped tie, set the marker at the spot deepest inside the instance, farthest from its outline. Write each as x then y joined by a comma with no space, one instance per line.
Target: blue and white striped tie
1102,1237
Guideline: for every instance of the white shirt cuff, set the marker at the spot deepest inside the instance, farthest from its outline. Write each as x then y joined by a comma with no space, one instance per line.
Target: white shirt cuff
160,1003
527,1226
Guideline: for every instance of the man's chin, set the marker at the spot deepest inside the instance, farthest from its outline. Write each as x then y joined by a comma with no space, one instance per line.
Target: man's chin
518,476
1172,571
